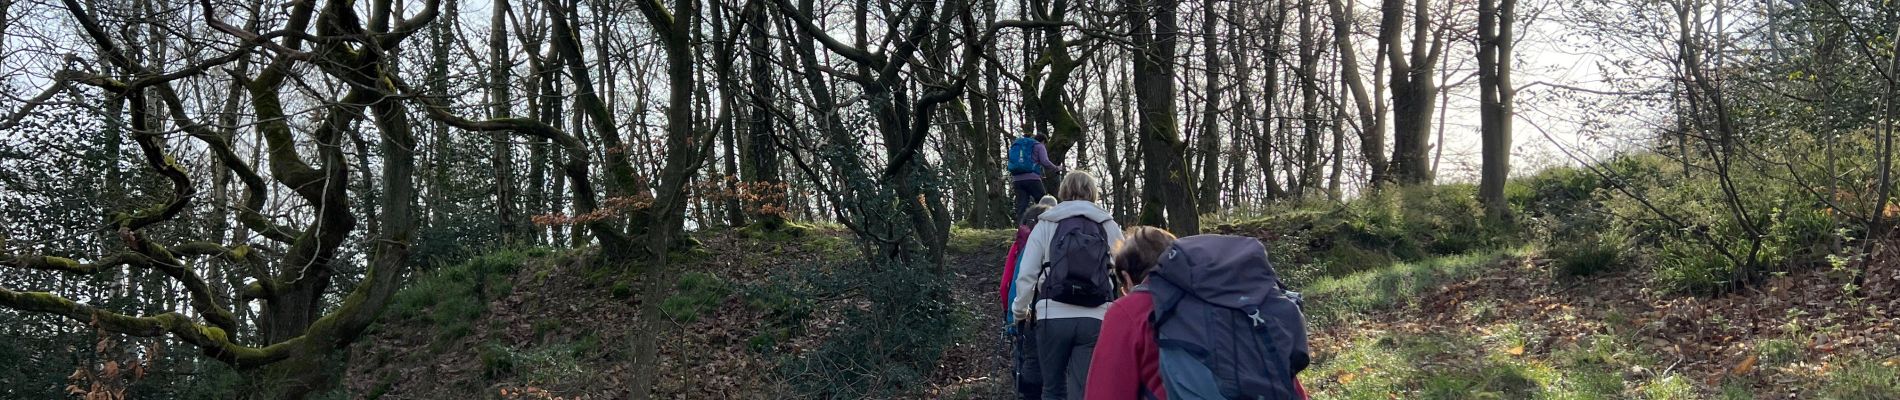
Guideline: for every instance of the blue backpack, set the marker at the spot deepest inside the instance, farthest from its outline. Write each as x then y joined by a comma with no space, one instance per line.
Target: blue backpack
1226,326
1022,156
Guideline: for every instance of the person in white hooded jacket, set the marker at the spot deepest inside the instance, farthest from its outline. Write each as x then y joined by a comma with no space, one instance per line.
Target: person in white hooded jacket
1064,333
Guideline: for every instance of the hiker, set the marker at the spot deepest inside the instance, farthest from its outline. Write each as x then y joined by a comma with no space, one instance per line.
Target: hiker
1027,372
1028,159
1125,365
1209,348
1023,225
1062,284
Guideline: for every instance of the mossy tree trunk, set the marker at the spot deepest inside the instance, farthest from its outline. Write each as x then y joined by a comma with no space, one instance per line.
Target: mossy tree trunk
1169,187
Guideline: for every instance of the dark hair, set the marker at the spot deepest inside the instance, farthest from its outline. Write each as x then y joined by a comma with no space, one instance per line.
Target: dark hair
1141,250
1033,212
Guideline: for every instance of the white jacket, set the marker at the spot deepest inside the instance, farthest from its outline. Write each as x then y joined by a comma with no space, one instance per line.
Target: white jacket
1036,252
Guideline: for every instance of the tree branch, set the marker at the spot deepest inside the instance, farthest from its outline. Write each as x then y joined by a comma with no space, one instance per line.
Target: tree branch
213,341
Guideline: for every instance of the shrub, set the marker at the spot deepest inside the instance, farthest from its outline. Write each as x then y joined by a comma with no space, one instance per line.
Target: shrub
1585,257
622,290
497,361
1779,351
1693,267
1801,236
904,324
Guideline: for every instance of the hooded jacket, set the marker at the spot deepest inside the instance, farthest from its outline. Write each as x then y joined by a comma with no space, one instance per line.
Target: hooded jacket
1008,281
1036,253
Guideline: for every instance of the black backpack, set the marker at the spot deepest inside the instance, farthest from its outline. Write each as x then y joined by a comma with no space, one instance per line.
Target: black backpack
1226,326
1077,272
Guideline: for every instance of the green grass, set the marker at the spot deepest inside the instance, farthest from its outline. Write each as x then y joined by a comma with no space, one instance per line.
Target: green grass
1778,351
541,365
698,293
1330,299
451,298
972,241
1864,380
1447,365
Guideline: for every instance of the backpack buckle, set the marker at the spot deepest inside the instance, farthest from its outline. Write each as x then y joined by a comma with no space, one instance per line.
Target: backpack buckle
1255,316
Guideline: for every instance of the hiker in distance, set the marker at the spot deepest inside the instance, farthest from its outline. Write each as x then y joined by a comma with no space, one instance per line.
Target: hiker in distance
1025,369
1028,160
1062,284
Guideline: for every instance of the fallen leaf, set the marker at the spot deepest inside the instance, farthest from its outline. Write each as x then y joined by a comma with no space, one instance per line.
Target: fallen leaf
1747,365
1516,351
1347,378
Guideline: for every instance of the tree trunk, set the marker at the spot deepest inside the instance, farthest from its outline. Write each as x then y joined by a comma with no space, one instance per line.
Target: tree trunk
1169,188
1112,149
540,99
501,103
1209,142
761,162
1263,126
623,180
1309,103
1413,89
1239,120
684,150
1495,20
1371,121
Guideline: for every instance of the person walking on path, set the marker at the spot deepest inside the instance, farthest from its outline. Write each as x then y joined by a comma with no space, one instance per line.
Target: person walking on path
1028,160
1063,285
1027,371
1207,350
1126,364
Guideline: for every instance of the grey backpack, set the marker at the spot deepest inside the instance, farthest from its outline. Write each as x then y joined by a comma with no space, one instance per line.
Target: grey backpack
1077,272
1226,326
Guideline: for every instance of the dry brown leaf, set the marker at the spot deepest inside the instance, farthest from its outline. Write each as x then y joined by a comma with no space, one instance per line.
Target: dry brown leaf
1747,365
1516,351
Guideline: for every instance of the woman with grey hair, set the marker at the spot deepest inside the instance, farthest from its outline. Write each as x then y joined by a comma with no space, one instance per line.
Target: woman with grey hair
1063,286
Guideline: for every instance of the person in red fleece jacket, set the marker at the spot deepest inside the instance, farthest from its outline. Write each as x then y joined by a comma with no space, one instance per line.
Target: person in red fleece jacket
1127,362
1027,371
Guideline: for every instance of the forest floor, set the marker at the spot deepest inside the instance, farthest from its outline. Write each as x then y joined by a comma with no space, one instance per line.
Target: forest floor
1495,324
1506,326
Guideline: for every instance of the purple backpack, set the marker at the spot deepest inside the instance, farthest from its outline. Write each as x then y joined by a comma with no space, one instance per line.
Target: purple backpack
1226,326
1077,272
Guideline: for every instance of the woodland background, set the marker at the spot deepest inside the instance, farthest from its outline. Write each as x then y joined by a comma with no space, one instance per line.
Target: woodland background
234,198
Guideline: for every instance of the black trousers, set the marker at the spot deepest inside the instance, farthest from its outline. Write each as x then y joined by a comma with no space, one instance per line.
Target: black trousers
1064,347
1027,192
1028,372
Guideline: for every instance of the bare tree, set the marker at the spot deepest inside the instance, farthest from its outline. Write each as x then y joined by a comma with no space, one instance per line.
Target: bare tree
1495,22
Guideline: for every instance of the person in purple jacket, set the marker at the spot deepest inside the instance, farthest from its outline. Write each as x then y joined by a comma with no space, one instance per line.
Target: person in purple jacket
1028,159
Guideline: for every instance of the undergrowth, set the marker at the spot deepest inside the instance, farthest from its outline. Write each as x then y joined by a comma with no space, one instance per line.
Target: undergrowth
451,298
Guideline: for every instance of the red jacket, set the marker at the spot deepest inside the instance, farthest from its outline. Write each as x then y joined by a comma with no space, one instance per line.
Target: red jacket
1009,266
1127,363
